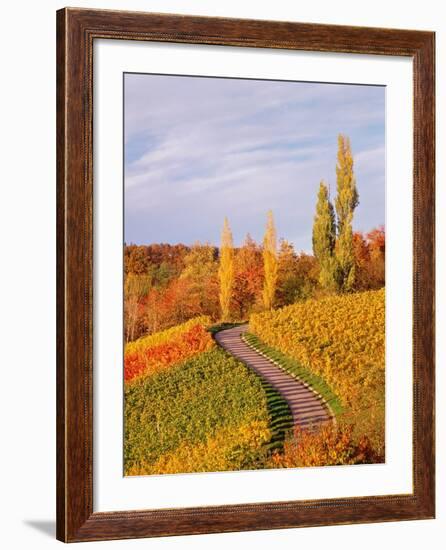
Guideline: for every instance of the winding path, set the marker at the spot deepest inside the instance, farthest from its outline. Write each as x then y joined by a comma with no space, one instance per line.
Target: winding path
306,408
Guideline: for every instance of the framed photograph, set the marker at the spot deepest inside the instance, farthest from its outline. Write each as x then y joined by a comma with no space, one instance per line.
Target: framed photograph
245,275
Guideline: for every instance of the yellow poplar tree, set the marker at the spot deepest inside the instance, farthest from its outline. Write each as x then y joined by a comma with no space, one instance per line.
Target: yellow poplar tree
269,262
346,201
226,270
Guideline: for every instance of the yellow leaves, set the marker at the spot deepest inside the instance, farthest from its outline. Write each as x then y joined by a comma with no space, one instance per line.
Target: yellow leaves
226,270
270,263
328,446
166,335
340,338
225,450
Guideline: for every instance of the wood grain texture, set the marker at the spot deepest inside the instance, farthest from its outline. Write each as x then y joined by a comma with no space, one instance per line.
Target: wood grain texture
76,31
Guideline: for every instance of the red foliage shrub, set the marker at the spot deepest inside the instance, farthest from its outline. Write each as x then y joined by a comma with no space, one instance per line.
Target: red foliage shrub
327,446
156,358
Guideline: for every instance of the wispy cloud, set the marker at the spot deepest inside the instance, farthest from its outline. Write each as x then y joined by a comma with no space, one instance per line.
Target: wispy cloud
198,149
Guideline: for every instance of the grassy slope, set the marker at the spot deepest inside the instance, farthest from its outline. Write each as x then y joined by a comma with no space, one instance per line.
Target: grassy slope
339,339
209,413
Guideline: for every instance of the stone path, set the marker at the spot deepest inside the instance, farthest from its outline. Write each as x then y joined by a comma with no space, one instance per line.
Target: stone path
306,408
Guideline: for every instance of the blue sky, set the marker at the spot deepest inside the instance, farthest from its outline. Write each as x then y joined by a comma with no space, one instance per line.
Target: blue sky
199,149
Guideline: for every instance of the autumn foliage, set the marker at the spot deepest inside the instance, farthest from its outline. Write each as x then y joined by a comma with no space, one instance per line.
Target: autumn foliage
167,285
330,445
346,201
269,263
369,250
209,413
157,352
226,270
230,448
192,407
341,339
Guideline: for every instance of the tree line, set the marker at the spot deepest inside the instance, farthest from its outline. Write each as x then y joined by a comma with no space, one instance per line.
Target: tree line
169,284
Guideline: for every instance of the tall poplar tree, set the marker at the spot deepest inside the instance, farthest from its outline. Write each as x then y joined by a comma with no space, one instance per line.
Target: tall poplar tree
324,238
269,262
226,270
347,200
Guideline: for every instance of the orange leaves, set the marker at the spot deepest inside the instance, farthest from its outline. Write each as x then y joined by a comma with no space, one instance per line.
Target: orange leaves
369,253
328,446
166,335
155,357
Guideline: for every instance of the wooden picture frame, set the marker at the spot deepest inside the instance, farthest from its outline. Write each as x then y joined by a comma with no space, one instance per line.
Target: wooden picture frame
76,31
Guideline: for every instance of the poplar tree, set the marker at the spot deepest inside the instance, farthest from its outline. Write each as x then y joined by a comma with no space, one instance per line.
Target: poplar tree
347,200
226,270
269,262
324,238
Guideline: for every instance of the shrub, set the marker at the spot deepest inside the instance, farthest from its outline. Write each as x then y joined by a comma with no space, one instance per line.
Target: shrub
166,335
328,446
159,351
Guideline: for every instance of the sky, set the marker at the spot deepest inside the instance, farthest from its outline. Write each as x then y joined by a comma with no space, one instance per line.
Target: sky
197,149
